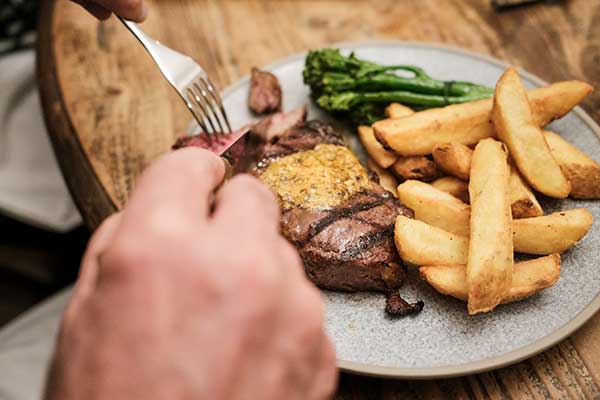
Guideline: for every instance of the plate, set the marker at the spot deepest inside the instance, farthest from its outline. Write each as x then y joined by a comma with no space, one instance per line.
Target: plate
443,340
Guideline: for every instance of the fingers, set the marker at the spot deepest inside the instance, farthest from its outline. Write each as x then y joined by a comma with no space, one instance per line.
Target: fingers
174,194
245,204
95,9
133,10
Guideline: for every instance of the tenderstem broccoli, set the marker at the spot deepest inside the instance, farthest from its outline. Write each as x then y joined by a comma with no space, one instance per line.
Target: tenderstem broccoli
359,90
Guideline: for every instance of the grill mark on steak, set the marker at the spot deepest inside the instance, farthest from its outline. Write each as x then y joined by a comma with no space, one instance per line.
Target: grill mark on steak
335,215
366,242
370,223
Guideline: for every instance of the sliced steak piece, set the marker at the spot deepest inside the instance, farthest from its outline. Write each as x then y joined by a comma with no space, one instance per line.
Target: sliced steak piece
347,244
265,92
242,155
214,143
277,124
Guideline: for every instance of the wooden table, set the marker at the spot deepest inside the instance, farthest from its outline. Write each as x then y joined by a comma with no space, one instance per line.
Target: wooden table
110,114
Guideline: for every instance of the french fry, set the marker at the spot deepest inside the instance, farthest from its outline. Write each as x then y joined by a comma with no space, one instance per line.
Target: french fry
516,126
397,110
523,203
422,244
580,169
490,260
528,278
386,179
384,158
468,123
454,186
548,234
435,207
415,167
454,159
540,235
552,233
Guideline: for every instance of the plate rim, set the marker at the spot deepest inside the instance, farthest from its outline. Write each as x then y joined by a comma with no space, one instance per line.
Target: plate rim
472,367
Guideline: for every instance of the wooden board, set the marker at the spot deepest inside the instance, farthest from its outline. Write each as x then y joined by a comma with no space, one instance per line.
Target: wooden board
110,114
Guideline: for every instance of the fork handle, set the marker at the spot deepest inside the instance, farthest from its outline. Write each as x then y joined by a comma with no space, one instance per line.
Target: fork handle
139,34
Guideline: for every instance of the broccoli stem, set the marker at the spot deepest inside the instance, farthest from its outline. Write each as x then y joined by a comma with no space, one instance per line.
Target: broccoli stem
346,101
336,82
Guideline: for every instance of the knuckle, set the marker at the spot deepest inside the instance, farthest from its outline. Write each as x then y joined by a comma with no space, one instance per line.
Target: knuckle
123,259
104,232
255,189
109,221
194,162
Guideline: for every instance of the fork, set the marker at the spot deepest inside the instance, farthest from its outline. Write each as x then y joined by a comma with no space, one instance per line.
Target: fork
189,80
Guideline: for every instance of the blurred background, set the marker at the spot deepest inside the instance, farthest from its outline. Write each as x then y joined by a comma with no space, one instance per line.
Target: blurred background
41,237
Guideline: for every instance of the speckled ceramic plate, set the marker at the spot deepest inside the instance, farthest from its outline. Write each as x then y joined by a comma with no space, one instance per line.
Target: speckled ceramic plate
443,340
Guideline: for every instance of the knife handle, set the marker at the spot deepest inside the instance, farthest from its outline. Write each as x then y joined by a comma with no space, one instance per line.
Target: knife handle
228,169
228,174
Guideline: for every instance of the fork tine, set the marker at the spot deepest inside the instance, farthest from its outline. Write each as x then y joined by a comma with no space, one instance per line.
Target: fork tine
211,105
197,117
217,98
197,99
215,106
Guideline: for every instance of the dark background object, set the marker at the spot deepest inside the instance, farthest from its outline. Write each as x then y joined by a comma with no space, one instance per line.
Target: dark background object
18,20
35,264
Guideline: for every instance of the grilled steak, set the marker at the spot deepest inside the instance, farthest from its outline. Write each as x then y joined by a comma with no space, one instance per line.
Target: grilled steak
333,209
346,242
265,92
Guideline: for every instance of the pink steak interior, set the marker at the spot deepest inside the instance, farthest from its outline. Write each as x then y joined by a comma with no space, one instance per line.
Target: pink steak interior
215,143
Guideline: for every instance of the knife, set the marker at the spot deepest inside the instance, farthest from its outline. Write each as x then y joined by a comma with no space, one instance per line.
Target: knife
219,145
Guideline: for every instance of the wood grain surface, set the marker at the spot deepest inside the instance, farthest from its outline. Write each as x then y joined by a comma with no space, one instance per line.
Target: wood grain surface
110,114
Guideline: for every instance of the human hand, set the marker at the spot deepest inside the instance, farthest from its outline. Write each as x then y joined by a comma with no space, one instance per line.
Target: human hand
133,10
176,301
